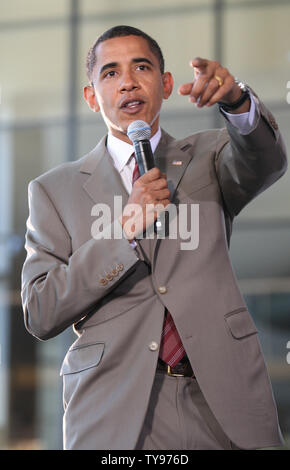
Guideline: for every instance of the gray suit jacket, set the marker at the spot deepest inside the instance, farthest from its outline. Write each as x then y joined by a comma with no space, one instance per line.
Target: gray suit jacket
109,370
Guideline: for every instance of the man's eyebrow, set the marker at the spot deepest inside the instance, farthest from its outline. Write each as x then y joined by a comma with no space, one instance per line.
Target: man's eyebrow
108,66
142,59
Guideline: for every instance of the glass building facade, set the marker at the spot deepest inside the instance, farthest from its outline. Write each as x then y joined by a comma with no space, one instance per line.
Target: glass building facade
44,121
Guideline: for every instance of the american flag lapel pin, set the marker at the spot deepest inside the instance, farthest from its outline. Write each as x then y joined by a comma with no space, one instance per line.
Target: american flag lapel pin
177,162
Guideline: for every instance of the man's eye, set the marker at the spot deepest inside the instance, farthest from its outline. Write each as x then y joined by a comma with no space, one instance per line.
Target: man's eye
109,74
142,67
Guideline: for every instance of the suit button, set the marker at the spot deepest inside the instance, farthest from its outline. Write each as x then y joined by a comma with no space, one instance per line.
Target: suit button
115,272
109,277
120,267
162,290
103,281
153,346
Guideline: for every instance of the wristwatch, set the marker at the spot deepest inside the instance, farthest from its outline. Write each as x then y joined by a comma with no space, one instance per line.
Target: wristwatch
228,107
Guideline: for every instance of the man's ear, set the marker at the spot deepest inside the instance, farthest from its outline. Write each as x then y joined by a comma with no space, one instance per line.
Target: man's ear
90,97
167,84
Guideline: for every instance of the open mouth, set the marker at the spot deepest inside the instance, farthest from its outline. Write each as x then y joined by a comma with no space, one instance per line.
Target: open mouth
132,105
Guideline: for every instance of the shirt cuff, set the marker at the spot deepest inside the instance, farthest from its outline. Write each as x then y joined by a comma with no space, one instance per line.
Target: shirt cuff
133,244
244,122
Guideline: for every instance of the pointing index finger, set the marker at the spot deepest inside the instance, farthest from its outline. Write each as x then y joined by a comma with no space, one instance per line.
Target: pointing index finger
199,63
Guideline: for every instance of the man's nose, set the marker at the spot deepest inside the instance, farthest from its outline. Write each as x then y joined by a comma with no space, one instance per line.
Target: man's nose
128,82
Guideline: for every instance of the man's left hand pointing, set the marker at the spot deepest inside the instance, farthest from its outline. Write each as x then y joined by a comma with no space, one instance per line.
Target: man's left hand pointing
212,83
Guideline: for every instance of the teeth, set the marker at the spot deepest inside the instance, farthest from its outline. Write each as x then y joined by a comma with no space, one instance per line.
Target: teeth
132,104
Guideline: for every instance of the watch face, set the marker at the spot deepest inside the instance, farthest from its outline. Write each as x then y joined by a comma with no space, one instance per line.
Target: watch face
242,85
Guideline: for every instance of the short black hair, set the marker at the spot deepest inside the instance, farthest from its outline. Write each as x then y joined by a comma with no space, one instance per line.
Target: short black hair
121,31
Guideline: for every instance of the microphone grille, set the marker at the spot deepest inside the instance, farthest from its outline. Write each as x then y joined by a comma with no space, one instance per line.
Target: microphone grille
138,130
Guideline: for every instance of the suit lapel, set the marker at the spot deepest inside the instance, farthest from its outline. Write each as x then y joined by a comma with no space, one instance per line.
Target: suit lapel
171,158
104,181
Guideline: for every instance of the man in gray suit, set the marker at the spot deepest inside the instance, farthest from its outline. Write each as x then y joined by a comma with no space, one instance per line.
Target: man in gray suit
167,355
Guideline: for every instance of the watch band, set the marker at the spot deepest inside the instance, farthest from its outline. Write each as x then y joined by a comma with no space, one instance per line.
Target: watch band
236,104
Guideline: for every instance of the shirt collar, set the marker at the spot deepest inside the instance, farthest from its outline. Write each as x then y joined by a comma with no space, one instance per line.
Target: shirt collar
121,151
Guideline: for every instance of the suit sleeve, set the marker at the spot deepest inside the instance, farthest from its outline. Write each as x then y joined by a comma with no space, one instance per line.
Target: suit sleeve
248,164
59,287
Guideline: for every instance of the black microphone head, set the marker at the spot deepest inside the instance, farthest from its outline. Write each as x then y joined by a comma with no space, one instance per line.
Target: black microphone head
138,130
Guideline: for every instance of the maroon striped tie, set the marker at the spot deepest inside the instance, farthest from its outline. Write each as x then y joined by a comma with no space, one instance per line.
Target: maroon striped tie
171,348
136,173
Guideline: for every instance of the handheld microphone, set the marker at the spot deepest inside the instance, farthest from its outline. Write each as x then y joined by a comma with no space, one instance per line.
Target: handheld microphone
139,133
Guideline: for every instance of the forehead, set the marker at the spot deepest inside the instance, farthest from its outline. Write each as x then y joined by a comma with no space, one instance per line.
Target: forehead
123,49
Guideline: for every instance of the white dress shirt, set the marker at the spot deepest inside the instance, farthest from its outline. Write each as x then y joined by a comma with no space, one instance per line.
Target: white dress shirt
121,151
